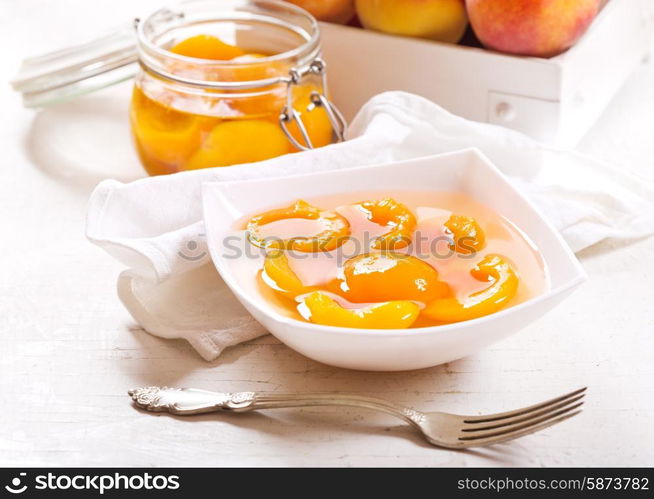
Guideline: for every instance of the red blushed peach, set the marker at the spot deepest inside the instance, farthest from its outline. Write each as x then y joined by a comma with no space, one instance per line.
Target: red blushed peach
540,28
333,11
441,20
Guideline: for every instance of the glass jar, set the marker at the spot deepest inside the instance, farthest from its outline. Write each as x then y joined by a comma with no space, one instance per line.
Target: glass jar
188,113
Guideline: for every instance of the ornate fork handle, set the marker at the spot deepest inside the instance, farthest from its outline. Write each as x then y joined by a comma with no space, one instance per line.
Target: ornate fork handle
188,401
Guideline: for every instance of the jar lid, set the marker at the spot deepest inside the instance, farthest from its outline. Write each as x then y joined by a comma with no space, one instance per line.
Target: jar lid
76,70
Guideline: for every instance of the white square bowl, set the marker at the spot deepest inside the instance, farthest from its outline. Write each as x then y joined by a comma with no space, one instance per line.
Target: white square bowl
466,171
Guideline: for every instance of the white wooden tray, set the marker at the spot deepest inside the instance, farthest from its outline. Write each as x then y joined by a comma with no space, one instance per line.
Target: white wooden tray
554,100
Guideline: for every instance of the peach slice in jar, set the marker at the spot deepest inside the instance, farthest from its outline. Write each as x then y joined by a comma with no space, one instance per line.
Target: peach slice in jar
320,308
264,102
503,287
270,101
467,235
335,229
207,47
165,137
315,118
397,217
239,141
389,276
258,103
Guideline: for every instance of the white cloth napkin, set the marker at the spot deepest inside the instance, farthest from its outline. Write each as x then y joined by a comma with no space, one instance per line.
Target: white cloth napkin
154,225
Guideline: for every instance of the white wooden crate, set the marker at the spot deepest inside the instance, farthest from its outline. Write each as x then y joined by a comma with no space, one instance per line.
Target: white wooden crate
554,100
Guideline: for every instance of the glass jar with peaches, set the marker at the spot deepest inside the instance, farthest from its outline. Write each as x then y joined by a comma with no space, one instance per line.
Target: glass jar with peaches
230,82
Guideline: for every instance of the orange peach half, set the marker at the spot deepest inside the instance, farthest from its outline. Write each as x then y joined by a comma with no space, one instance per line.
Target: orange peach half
441,20
540,28
333,11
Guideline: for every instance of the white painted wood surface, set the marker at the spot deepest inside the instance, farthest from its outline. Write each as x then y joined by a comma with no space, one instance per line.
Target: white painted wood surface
69,352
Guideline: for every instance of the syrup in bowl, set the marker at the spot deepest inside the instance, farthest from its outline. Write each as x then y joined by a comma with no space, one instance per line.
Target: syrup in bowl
386,259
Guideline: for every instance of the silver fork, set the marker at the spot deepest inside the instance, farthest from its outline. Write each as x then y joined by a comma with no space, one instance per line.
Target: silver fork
439,428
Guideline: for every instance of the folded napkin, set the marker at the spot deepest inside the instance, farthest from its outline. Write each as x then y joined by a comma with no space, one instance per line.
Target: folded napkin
154,225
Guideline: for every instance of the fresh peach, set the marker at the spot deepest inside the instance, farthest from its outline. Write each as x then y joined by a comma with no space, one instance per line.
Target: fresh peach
441,20
540,28
333,11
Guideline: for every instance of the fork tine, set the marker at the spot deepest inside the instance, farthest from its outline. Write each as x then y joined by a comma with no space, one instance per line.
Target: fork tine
516,434
488,418
519,427
501,423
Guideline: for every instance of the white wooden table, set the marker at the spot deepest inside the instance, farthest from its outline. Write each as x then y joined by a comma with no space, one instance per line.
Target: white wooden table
69,351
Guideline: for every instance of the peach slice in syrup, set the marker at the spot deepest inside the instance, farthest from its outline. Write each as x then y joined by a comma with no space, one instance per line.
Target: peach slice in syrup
335,233
396,216
320,308
503,287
